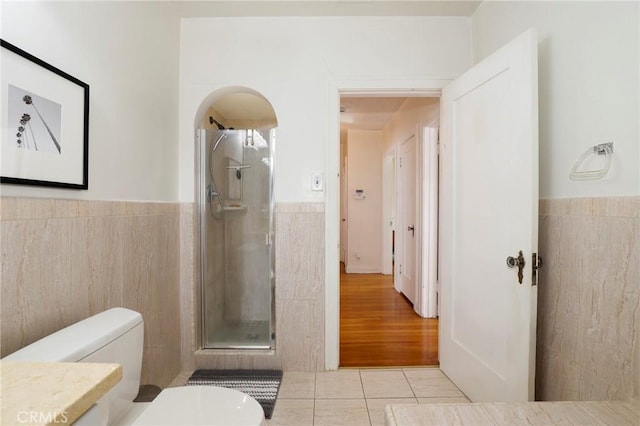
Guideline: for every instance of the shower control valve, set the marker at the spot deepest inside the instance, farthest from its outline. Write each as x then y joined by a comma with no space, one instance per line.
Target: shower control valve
211,193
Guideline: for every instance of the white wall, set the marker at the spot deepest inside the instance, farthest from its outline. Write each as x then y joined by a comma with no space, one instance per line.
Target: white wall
588,85
412,113
294,62
128,54
364,216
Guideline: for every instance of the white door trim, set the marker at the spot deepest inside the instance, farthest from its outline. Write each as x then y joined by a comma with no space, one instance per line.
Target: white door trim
426,297
376,88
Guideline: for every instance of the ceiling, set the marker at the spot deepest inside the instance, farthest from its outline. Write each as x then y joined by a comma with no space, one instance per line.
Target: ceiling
244,106
213,8
367,113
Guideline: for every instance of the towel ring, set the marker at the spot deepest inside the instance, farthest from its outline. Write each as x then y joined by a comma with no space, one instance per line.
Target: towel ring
605,149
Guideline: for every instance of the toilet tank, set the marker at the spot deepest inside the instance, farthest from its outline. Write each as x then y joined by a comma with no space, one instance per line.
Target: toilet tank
112,336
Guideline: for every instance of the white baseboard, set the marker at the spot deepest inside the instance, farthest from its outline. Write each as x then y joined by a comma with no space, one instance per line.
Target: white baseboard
363,270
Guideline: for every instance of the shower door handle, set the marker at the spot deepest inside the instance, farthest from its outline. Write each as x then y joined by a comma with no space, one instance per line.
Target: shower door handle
267,239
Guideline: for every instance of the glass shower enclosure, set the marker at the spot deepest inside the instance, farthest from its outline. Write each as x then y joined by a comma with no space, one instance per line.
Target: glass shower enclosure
237,238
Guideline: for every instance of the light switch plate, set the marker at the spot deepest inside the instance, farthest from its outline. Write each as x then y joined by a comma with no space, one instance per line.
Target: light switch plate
316,182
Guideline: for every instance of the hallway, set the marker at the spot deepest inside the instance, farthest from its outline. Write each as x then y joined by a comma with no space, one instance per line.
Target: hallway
378,327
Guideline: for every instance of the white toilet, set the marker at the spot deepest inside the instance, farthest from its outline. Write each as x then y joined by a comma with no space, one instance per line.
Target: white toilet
116,336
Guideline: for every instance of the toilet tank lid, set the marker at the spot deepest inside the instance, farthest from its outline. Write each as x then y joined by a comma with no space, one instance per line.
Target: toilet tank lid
77,341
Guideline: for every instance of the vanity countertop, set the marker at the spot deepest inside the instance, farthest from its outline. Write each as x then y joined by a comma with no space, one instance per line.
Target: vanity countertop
35,393
515,413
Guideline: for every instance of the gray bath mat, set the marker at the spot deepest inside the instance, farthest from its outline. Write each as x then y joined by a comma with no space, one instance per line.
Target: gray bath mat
263,385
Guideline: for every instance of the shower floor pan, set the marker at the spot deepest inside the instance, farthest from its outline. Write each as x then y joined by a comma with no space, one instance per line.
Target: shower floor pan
240,335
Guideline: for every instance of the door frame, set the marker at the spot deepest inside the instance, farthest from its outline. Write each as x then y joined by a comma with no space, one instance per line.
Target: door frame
374,88
426,303
389,211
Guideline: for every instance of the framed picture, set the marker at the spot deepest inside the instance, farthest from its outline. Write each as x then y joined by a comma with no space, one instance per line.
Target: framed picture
45,123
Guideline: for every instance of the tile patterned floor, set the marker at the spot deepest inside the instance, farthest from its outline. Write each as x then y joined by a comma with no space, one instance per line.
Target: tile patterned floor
353,397
357,397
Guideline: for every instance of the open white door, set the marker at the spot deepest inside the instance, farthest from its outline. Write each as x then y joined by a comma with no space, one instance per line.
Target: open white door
405,233
489,211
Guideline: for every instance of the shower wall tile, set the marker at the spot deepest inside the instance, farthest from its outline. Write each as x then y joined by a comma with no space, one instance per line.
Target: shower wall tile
298,327
37,208
320,320
225,359
300,208
152,288
300,285
35,283
589,299
64,260
608,207
96,250
190,298
300,255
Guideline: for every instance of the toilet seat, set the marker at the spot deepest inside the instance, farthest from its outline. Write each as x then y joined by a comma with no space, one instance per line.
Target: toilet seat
202,405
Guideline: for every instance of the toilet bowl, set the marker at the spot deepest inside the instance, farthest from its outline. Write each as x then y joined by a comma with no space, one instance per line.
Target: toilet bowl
191,405
116,336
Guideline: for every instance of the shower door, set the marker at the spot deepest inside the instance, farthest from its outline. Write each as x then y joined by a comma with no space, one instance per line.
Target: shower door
236,238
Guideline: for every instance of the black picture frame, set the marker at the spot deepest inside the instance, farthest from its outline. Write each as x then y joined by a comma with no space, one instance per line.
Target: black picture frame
61,123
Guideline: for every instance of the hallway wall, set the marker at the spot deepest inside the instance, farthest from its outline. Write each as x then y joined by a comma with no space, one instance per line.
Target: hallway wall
364,216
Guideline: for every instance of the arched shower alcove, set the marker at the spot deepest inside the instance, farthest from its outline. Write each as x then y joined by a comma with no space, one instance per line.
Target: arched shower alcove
234,180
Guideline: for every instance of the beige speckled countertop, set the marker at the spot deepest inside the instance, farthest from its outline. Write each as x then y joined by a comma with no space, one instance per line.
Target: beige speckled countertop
515,413
52,393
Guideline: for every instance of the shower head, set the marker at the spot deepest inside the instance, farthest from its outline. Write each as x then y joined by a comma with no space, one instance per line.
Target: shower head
213,121
220,126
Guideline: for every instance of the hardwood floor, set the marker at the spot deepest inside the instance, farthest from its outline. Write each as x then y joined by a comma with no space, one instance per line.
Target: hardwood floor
378,326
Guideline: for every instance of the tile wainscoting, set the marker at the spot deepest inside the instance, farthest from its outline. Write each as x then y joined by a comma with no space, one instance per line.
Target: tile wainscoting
65,260
299,247
588,301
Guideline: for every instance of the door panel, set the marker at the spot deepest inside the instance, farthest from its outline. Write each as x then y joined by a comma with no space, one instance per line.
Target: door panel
388,203
488,211
407,202
343,209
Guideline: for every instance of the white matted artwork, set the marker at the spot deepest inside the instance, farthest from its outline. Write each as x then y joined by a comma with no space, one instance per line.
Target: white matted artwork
33,122
45,123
